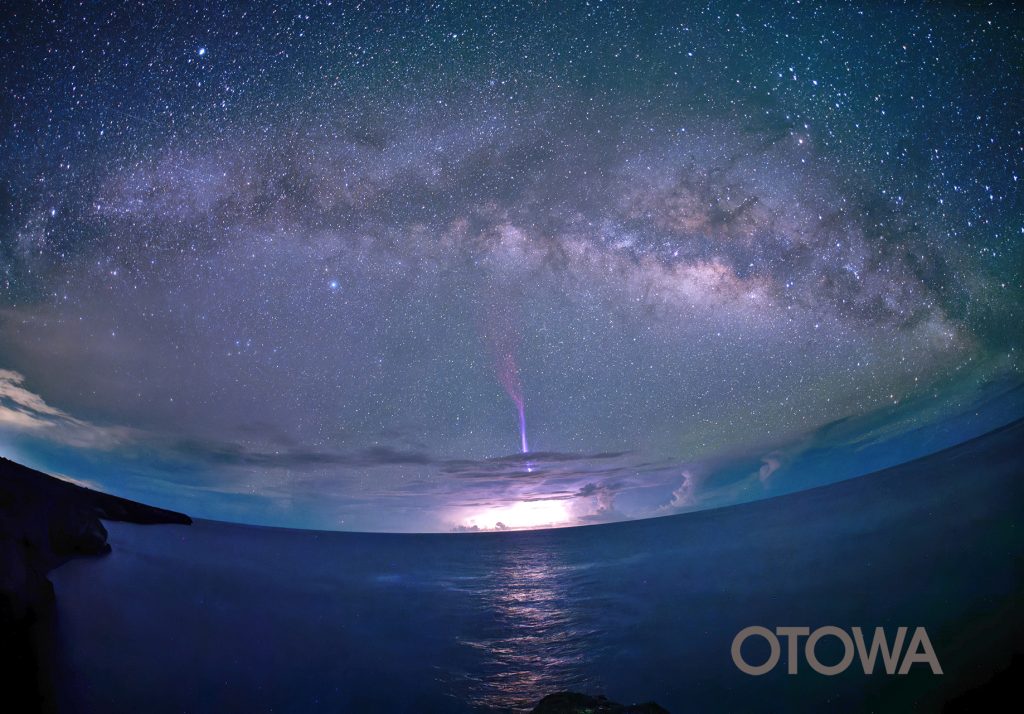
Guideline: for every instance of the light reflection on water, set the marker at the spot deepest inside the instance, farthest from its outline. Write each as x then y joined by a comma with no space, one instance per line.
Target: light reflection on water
251,619
532,643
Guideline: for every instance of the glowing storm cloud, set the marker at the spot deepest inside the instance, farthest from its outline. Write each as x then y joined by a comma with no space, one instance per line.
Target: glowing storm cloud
521,515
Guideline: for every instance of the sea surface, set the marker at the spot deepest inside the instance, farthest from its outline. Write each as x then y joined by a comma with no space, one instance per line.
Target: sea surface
226,618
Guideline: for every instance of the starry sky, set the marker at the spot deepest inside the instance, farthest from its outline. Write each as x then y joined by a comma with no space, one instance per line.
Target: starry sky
298,263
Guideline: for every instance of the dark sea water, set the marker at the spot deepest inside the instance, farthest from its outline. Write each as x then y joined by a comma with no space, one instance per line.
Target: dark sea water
225,618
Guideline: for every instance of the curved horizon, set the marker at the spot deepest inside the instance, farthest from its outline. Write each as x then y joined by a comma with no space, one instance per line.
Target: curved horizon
569,526
320,271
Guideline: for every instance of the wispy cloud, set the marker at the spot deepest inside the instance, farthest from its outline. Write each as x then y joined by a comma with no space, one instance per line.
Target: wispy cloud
22,410
226,453
770,463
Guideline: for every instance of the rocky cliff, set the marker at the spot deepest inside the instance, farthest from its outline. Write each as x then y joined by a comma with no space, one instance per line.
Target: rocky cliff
45,522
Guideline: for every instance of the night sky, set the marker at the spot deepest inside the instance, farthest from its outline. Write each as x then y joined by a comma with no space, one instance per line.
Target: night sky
300,264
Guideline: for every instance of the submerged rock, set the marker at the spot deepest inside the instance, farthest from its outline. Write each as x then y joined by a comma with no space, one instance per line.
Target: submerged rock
576,703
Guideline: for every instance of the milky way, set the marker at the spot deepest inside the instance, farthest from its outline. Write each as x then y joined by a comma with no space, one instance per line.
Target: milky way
276,264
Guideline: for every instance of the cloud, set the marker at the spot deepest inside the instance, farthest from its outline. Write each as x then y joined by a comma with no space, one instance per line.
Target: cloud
245,465
683,496
296,457
24,411
601,496
769,465
604,493
461,528
535,465
12,390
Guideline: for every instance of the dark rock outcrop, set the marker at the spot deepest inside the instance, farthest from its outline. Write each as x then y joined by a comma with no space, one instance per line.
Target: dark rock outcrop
576,703
45,522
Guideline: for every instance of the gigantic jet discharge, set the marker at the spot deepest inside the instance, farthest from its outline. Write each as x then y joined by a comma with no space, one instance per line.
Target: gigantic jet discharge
508,375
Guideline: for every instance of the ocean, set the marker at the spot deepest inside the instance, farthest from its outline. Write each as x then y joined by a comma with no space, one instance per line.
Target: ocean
216,617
